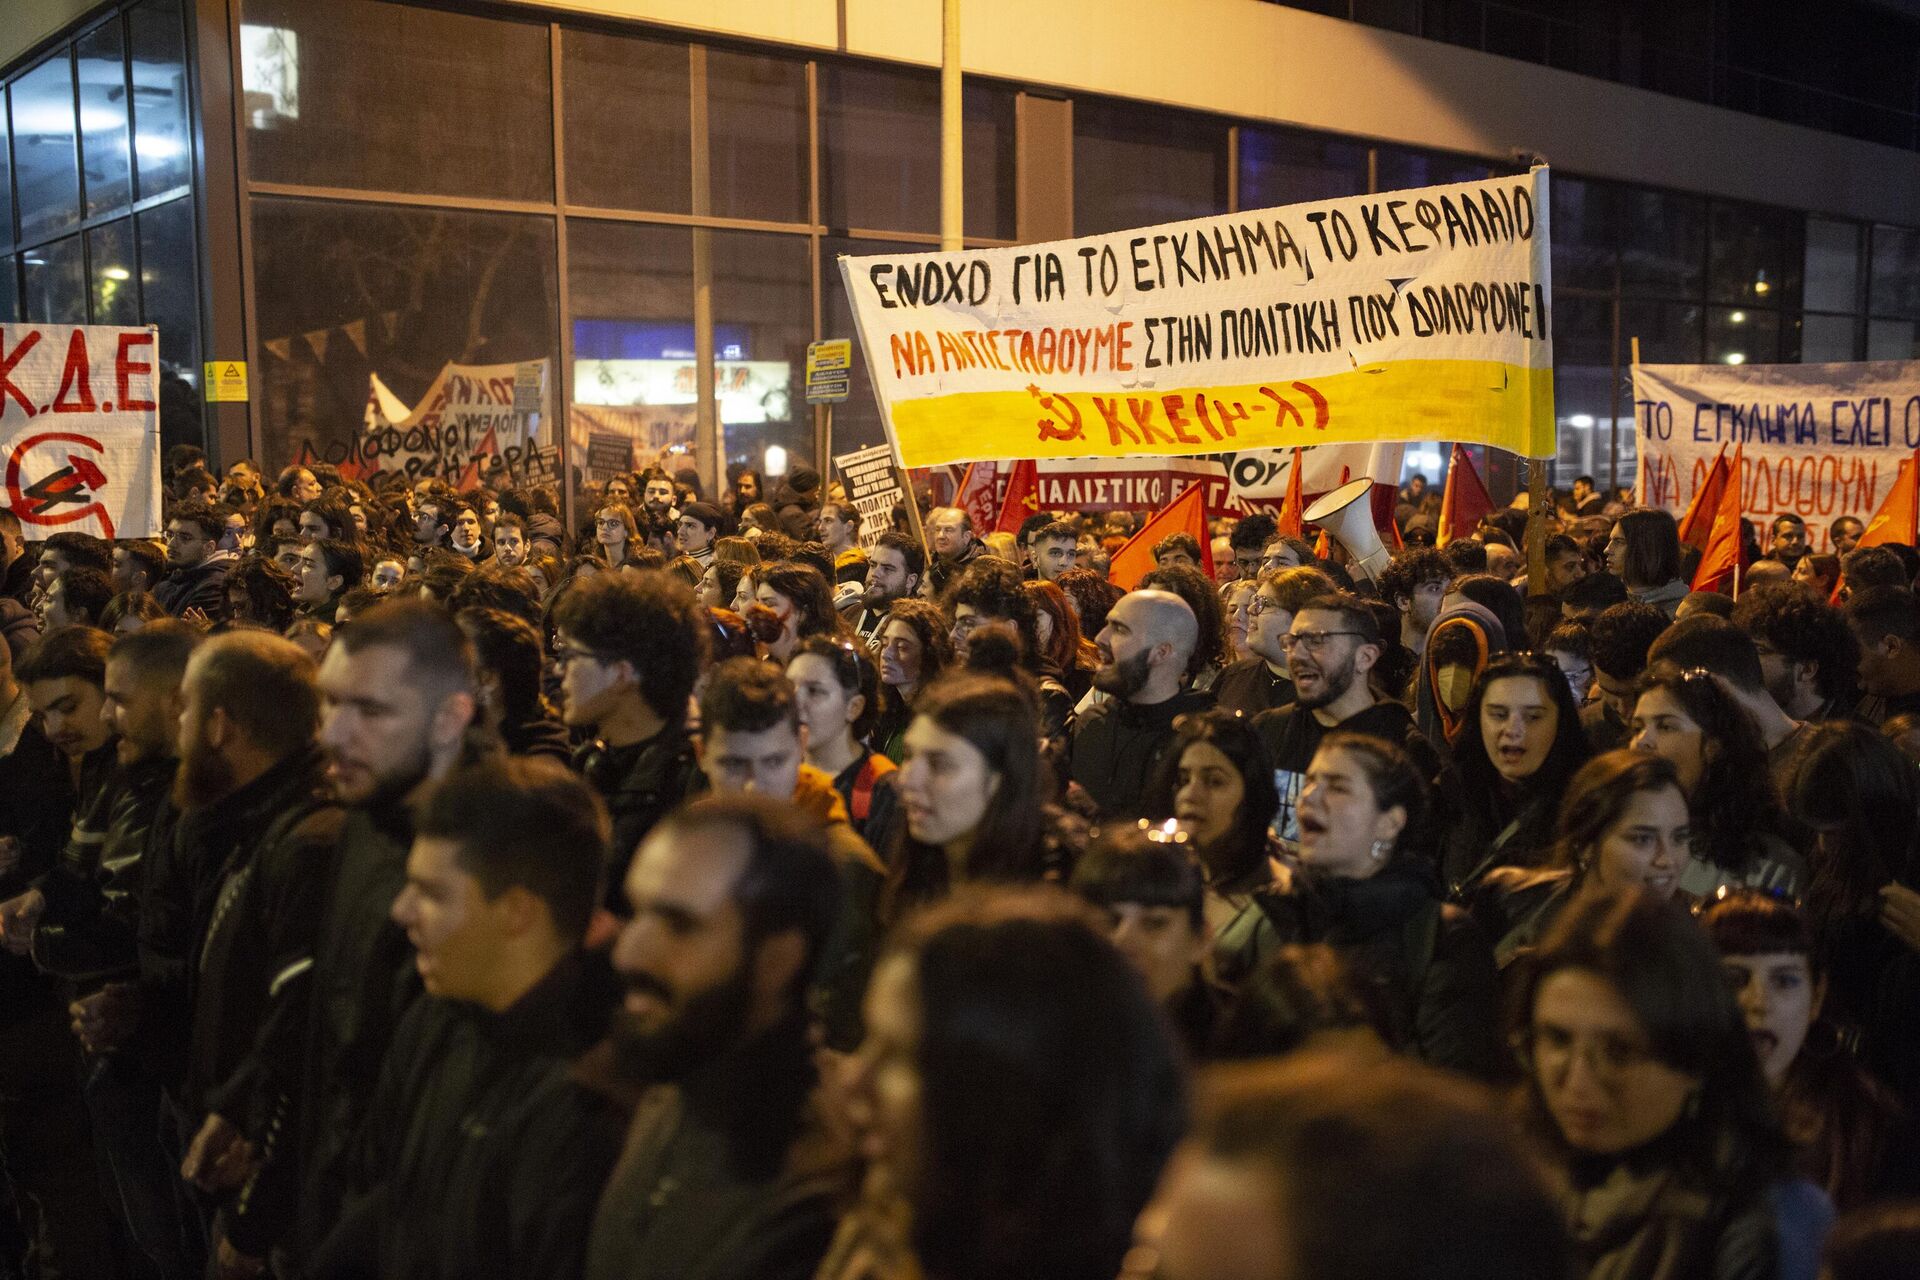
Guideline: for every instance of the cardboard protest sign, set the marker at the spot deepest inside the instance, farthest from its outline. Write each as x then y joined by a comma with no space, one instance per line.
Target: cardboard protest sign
1414,315
1821,440
873,486
441,434
80,429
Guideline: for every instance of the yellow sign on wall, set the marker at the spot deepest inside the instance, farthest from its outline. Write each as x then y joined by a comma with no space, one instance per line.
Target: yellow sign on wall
226,380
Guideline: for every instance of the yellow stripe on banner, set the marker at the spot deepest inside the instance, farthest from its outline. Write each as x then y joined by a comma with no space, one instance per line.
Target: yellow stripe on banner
1470,401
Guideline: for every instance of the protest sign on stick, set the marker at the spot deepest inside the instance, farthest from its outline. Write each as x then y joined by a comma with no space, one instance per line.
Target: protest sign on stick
80,429
1415,315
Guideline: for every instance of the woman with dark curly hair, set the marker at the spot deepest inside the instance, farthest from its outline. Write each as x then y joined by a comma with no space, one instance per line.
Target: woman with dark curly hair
914,650
262,594
1519,742
1718,754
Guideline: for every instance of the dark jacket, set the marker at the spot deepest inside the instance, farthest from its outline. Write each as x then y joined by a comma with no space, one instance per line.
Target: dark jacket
36,806
270,847
1500,827
545,533
1428,965
482,1153
1249,686
540,736
728,1175
90,929
338,1023
1117,746
641,784
19,626
203,587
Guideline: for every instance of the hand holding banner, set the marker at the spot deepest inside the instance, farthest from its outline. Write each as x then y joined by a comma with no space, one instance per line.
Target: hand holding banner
1415,315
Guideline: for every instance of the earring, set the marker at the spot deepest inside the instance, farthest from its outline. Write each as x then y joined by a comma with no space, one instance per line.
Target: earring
1381,848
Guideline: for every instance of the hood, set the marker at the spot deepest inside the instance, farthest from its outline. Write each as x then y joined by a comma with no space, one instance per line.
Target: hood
1435,719
815,795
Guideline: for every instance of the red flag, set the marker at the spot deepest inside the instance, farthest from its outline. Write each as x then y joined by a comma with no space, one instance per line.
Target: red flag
1187,514
1322,547
977,495
1465,501
1898,519
1697,525
1295,503
1023,497
1725,554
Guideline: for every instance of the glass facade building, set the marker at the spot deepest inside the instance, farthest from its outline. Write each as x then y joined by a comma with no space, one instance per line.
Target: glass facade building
336,190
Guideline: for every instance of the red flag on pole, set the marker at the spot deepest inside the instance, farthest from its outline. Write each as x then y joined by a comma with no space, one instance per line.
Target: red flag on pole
1187,514
977,495
1023,497
1725,553
1898,519
1697,525
1290,523
1465,502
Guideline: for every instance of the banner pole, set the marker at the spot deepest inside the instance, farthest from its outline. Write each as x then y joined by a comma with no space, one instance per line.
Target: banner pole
952,193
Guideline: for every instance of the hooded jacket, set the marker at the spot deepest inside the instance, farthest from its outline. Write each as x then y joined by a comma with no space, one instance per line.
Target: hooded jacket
1431,713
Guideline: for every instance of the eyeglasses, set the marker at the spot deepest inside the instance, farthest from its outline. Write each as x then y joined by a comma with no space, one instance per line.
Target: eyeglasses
1262,604
1311,641
1551,1051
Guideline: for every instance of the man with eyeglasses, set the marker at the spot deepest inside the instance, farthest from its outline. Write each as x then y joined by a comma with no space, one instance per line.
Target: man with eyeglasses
1331,646
629,648
1261,683
197,568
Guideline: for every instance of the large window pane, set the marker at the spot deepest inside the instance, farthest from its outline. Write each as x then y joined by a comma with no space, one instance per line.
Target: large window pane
1669,333
1742,335
1827,339
1891,340
1583,400
160,139
856,422
393,97
43,149
757,136
880,152
169,290
1756,254
1403,170
116,295
763,301
1663,244
106,167
1586,233
628,126
1833,265
347,291
633,343
1279,168
54,283
1582,329
6,175
1896,270
1134,166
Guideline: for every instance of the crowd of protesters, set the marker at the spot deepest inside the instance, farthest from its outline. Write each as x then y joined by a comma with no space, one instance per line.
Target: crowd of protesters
399,882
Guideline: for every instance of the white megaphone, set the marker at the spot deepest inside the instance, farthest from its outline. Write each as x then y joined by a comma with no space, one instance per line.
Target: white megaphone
1347,516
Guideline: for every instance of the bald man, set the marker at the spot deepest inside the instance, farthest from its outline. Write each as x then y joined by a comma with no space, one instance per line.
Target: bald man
1144,649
